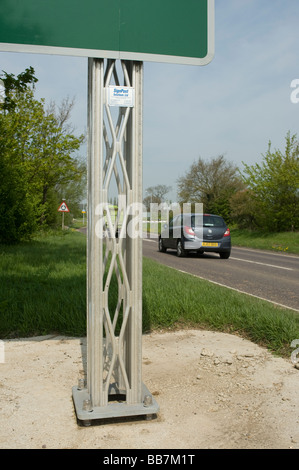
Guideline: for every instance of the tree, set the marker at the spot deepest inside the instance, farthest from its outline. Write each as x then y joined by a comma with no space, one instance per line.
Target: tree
16,208
274,185
56,145
39,148
16,85
212,183
245,210
155,194
17,212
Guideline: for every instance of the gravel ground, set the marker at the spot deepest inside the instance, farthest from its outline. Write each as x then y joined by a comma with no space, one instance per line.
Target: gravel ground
215,391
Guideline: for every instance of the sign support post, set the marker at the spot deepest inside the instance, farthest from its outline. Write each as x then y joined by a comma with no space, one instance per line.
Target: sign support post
63,208
113,386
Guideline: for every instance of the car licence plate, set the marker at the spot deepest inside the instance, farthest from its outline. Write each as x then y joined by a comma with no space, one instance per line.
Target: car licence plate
209,244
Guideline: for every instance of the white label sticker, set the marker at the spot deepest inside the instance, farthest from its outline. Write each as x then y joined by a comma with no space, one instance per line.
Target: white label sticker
121,96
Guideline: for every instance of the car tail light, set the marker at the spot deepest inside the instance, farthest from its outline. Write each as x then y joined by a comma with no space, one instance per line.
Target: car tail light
189,231
227,233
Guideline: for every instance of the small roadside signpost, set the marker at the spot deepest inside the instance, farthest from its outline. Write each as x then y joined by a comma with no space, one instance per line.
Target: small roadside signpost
63,208
130,32
83,212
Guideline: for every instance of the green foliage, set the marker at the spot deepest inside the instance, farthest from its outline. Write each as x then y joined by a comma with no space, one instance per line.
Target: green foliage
38,159
286,242
245,210
16,209
274,186
17,85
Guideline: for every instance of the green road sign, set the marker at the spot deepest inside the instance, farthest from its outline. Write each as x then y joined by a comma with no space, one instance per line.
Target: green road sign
174,31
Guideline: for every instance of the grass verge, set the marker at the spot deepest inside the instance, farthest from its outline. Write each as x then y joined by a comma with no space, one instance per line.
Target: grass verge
43,291
284,242
43,286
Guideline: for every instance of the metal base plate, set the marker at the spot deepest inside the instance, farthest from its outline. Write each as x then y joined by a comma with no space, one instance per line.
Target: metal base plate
113,410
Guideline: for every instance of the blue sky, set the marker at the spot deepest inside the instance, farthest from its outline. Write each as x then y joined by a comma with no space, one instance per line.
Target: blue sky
233,106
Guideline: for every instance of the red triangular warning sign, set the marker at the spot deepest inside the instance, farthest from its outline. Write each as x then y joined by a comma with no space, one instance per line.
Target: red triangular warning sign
63,207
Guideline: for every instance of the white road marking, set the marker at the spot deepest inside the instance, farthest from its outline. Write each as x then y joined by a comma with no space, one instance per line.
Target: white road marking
263,264
265,252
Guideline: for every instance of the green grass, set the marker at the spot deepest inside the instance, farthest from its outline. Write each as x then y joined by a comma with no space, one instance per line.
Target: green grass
43,286
284,242
43,291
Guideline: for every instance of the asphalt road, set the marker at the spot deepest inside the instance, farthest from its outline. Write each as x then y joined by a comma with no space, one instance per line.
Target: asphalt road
267,275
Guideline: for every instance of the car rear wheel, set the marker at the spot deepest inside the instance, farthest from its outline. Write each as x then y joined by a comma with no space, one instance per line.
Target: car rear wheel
162,248
180,249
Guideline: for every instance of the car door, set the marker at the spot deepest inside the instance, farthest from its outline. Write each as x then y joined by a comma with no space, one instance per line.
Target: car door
170,239
176,230
165,235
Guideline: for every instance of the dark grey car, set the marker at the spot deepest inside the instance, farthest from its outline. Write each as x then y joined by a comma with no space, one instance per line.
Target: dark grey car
196,232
